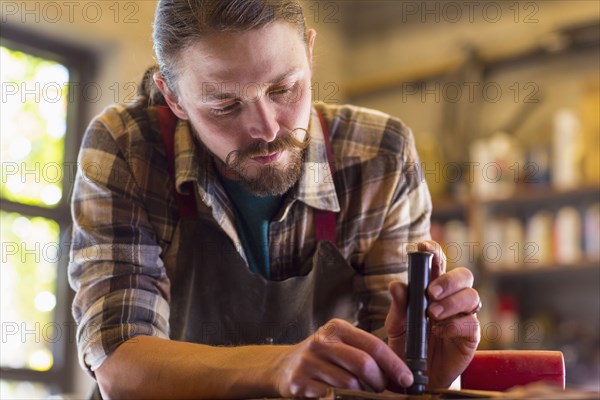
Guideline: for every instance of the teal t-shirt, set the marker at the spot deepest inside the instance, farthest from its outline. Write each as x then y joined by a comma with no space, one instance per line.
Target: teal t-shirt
253,214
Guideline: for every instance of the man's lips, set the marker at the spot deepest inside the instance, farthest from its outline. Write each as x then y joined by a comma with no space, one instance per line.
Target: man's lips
270,158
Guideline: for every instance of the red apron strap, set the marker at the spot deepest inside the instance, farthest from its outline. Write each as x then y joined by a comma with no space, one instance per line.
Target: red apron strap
186,204
325,220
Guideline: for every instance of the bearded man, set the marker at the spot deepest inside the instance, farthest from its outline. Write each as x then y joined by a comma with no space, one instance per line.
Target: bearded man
236,240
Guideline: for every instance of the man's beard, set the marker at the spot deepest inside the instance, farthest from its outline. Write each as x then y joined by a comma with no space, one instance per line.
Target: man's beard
272,179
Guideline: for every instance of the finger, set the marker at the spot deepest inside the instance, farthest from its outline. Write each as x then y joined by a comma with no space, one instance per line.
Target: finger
395,322
307,389
331,374
459,303
465,328
438,264
477,308
315,390
450,283
356,368
392,366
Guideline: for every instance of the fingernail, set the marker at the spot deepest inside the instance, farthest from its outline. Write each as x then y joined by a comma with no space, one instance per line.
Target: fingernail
436,310
435,290
424,246
406,379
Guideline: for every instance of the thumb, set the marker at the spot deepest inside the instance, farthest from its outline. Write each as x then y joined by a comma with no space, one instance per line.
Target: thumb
395,323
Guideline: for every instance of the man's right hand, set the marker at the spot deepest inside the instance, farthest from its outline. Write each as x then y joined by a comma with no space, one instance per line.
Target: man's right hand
339,355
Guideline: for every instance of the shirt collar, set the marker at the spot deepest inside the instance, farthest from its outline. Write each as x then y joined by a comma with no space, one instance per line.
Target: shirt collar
315,187
193,164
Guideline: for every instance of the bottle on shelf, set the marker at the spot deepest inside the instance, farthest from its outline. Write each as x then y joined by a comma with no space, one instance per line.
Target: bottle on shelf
567,236
591,238
566,151
538,240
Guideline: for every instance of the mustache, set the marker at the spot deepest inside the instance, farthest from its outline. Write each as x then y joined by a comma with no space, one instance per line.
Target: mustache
286,141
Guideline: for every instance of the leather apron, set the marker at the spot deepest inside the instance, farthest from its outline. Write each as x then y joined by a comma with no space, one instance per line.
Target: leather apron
217,300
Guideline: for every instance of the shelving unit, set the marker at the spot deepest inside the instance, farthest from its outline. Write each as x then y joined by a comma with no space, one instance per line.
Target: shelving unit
551,306
475,213
549,271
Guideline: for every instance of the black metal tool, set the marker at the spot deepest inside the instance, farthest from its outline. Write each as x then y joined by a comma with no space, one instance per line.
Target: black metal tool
419,267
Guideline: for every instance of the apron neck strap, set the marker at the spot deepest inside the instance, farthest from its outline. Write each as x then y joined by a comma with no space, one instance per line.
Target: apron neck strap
326,220
186,203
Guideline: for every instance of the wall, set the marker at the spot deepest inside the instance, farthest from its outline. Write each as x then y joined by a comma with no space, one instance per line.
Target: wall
439,65
435,33
117,32
430,40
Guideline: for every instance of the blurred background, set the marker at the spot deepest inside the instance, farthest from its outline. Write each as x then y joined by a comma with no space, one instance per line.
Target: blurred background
503,98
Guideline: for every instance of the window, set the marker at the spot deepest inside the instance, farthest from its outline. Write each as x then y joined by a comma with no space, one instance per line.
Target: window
40,132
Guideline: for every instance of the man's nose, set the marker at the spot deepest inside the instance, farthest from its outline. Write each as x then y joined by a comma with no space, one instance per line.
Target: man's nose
263,121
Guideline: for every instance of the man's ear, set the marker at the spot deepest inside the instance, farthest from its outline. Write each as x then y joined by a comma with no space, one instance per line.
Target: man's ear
170,96
312,35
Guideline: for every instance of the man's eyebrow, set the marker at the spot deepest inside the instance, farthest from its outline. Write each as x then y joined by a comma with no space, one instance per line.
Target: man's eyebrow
214,95
284,76
220,96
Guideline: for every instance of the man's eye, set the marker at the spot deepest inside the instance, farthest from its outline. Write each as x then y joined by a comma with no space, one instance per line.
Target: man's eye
224,110
285,91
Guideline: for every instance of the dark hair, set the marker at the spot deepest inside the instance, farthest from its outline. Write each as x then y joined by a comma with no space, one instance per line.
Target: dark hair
148,89
178,23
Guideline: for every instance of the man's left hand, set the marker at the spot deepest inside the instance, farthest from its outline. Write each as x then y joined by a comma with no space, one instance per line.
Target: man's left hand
454,327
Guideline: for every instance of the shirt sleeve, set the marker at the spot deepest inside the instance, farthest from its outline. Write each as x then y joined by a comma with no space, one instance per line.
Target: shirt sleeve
407,222
115,267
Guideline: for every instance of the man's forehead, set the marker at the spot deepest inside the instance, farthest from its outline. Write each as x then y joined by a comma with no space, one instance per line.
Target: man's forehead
258,56
248,72
223,89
